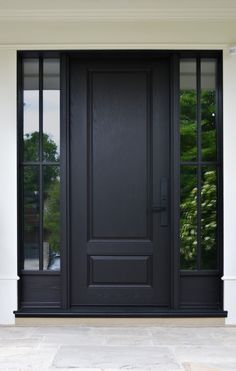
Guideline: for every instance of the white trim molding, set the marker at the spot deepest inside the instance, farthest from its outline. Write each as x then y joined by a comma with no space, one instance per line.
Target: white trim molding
232,50
115,46
228,278
119,14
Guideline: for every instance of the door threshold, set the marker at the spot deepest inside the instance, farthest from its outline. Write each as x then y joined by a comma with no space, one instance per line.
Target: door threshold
119,317
119,312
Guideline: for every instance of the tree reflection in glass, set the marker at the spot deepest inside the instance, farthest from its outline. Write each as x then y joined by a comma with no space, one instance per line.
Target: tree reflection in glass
188,217
204,231
31,223
51,244
208,218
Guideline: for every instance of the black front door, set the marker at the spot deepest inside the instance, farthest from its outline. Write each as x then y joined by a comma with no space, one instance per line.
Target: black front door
119,182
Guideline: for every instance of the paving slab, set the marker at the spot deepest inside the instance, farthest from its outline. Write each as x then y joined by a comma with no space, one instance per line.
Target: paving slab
112,348
149,358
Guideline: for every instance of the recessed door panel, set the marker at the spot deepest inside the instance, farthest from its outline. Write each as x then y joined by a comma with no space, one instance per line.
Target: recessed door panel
120,152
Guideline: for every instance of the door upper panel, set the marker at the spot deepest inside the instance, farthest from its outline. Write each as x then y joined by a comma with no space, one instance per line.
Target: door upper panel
119,125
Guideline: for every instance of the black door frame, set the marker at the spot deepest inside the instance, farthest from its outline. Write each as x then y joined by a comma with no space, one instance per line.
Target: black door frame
174,172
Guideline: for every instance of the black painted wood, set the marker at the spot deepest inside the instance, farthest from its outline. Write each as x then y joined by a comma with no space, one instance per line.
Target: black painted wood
195,293
119,312
119,152
200,290
41,290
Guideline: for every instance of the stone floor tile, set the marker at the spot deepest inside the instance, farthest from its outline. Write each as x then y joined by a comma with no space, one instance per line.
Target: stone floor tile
158,358
198,367
208,367
122,331
76,369
128,340
55,330
74,339
21,343
206,354
13,332
26,359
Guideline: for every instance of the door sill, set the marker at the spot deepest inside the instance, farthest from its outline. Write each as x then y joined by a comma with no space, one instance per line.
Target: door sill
119,312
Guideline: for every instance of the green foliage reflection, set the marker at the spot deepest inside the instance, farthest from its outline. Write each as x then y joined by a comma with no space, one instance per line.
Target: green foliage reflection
52,215
51,189
188,206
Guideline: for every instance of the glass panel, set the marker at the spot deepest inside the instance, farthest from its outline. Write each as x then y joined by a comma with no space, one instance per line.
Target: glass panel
31,217
208,109
208,218
188,217
188,110
31,109
51,232
51,109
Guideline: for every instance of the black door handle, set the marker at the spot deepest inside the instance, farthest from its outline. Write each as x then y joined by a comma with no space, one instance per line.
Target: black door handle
163,208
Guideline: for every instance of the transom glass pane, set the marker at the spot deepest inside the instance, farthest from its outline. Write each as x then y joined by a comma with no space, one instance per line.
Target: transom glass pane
208,109
51,109
188,110
31,109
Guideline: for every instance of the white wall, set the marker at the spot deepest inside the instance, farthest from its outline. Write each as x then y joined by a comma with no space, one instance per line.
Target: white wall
8,187
22,31
229,89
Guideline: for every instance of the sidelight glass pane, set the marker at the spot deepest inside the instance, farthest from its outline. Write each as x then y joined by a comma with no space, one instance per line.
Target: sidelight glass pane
208,218
31,217
31,109
188,217
208,109
51,218
188,110
51,109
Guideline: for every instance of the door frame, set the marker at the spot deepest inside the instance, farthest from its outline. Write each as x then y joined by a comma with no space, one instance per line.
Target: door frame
174,166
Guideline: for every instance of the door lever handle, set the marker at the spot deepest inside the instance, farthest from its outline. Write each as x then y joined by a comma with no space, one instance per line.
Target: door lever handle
158,209
163,207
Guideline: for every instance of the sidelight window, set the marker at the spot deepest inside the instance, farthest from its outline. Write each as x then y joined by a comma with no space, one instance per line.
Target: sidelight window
200,163
39,161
